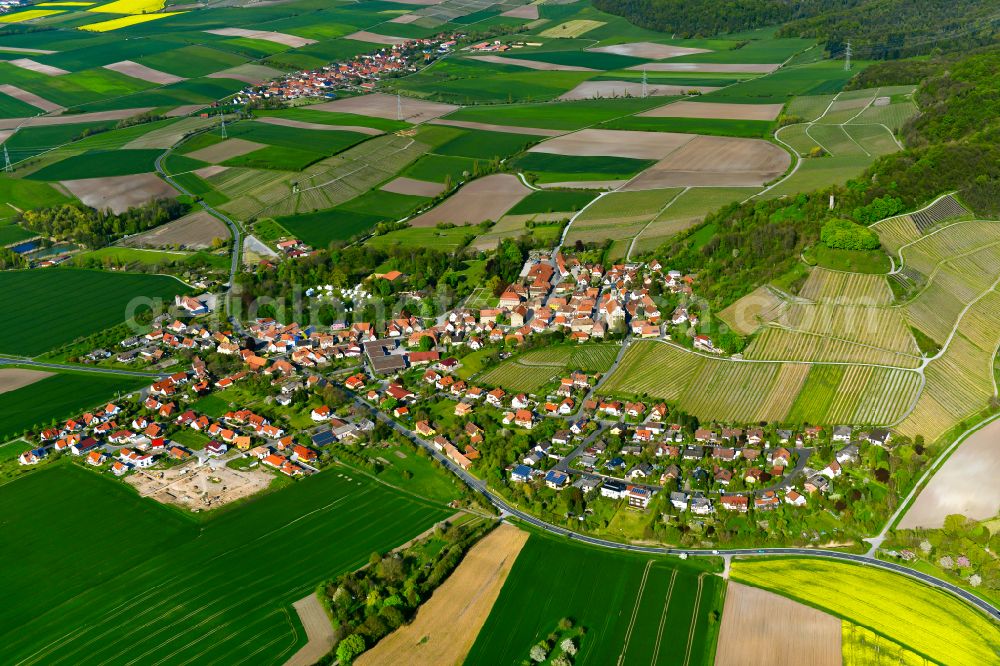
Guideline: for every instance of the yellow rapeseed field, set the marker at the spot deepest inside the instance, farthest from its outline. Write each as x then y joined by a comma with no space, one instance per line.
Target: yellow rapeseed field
130,7
28,15
124,22
918,617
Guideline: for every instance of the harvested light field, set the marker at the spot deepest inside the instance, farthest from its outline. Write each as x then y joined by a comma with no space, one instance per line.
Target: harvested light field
760,306
465,599
614,143
573,28
482,199
199,487
723,111
168,135
529,12
686,211
29,98
374,38
965,484
756,631
531,64
71,119
384,106
195,231
707,67
137,71
251,73
320,127
12,379
647,50
917,616
266,35
715,160
37,67
119,193
225,150
491,127
612,89
420,188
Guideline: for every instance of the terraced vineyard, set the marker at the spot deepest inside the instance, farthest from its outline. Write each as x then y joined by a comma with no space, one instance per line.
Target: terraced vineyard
751,391
779,344
534,369
761,306
945,208
825,286
895,232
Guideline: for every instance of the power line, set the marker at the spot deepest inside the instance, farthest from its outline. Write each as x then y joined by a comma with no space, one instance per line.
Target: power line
224,136
6,158
644,83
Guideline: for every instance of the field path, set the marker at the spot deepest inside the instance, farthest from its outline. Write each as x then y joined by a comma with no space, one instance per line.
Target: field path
635,611
663,618
694,620
318,628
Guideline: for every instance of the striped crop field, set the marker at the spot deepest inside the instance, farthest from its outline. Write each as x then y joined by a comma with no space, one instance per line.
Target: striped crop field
892,116
879,327
587,358
760,306
960,382
779,344
949,242
644,203
656,369
895,232
825,286
513,376
745,391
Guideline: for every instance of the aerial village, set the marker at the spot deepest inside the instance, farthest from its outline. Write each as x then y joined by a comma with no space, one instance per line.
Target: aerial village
286,400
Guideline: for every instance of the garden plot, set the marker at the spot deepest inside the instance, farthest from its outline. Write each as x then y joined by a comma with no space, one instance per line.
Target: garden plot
825,286
965,484
12,379
760,306
225,150
385,106
531,64
29,98
715,161
420,188
722,111
320,127
37,67
195,231
615,143
755,631
251,73
647,50
119,193
706,67
143,73
490,127
613,89
265,35
481,199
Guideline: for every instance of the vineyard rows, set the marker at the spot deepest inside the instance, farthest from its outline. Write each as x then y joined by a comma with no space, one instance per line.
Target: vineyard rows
879,327
824,286
746,315
945,208
896,232
776,344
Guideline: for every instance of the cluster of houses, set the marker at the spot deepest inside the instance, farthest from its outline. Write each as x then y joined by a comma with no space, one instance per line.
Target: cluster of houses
360,72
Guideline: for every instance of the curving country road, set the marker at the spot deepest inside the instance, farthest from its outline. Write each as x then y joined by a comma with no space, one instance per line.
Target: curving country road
508,511
234,228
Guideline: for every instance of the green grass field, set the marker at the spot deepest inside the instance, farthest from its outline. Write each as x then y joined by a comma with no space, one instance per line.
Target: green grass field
486,145
60,396
712,126
557,115
48,308
551,168
553,201
99,164
927,621
354,217
172,589
633,610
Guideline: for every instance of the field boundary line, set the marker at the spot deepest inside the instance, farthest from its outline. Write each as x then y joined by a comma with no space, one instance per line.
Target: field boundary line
663,618
635,238
694,619
635,612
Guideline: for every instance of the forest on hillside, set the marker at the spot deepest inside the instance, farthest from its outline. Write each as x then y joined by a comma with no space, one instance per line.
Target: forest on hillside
877,29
